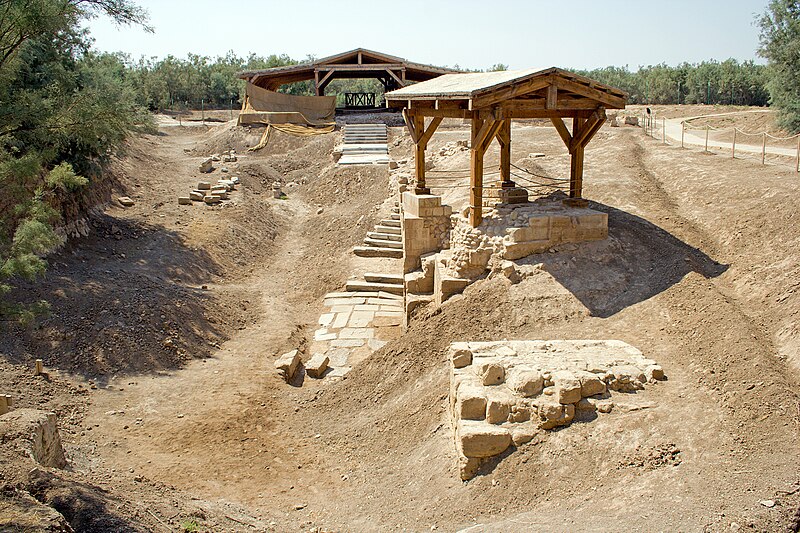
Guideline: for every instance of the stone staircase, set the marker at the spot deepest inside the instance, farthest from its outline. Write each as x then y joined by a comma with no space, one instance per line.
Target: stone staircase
386,239
365,144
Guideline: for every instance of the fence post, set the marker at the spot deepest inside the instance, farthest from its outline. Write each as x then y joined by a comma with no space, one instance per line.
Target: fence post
733,147
664,131
203,108
764,149
797,167
683,129
231,108
707,138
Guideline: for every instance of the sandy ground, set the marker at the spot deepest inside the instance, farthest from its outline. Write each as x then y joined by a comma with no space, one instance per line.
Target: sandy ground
698,272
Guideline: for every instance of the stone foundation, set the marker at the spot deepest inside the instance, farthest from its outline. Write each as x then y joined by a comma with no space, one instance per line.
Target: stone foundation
426,227
506,393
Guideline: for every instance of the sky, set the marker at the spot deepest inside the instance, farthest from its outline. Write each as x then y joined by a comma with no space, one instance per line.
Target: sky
579,34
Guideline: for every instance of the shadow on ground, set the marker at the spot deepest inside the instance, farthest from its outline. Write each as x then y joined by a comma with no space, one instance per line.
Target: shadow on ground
638,261
128,298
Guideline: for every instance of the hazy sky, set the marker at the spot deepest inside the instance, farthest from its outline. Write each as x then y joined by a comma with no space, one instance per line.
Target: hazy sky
470,33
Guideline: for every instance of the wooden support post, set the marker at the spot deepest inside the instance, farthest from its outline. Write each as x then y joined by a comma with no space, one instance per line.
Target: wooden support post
733,145
764,149
419,156
504,138
316,83
476,173
38,368
576,162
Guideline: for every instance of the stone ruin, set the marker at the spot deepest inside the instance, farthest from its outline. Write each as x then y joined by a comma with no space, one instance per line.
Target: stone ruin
505,393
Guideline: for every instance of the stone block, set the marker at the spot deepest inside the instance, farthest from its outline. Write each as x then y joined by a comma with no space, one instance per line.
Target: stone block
478,439
654,372
591,384
287,364
470,402
125,201
513,195
523,433
446,287
317,365
568,387
468,467
196,196
553,413
528,383
498,407
460,357
206,166
212,199
184,200
519,413
492,373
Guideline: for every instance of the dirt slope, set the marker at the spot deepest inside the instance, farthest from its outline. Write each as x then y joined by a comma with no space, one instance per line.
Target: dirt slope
698,273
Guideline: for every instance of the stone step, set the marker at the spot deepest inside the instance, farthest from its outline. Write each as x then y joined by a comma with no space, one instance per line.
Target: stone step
380,243
391,223
395,210
391,230
373,251
355,285
384,236
394,279
395,216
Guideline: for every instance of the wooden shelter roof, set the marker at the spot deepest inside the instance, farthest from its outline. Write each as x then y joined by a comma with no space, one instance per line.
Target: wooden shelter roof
522,92
360,62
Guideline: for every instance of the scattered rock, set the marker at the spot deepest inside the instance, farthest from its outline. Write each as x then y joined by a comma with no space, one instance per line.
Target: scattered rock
207,165
287,364
768,503
184,200
317,365
125,201
204,186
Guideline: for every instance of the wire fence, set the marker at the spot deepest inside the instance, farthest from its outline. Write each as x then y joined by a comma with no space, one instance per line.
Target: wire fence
537,185
767,147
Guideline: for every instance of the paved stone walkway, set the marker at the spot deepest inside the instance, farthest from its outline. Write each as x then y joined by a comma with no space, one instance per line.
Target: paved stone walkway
354,325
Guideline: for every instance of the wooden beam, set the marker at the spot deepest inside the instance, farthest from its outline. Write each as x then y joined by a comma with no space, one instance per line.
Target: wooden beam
552,97
491,97
326,79
484,130
411,125
562,130
419,156
429,131
397,79
476,173
316,83
602,97
359,58
504,138
365,66
576,162
495,127
589,129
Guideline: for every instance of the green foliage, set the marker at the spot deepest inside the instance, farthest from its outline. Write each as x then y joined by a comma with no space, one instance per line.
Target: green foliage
189,526
709,82
780,45
63,110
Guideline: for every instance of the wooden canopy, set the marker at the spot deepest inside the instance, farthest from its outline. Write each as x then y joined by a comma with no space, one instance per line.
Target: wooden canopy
393,72
490,100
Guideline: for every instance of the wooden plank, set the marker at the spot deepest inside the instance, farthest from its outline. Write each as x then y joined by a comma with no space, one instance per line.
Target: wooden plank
552,97
365,66
562,130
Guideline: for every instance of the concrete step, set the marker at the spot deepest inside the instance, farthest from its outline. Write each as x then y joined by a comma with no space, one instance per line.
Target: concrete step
391,223
391,230
373,251
384,236
355,285
395,216
394,279
380,243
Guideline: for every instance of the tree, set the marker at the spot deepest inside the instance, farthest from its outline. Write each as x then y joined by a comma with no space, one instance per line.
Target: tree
780,45
63,109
